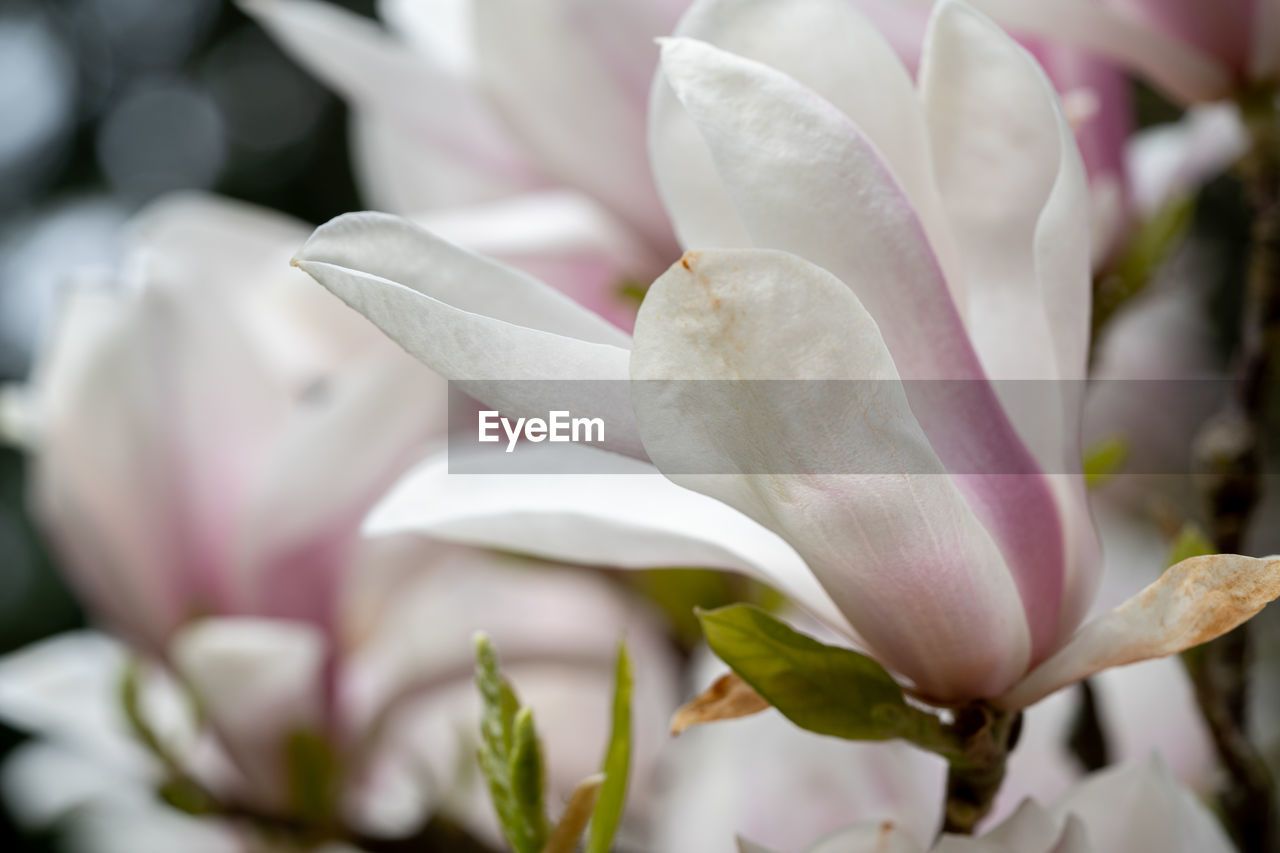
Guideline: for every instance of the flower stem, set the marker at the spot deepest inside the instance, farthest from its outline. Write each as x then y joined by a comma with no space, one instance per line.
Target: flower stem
1232,455
973,780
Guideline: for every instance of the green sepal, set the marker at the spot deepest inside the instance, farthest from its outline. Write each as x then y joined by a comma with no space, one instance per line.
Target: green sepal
824,689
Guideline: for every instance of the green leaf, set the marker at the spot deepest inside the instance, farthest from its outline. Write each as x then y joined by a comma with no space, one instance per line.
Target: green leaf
1190,542
1103,460
527,779
509,756
617,761
825,689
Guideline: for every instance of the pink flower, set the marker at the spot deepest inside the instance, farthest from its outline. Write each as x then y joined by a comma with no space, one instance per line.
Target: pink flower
211,431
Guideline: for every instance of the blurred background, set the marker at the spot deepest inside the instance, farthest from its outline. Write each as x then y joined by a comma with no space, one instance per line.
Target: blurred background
107,104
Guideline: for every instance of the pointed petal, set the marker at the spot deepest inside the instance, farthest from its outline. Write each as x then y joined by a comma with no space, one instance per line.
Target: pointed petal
468,154
805,180
622,513
827,46
999,133
1192,602
884,545
470,318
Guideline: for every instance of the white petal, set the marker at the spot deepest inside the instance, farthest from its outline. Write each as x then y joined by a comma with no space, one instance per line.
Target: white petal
999,134
470,318
1193,602
827,46
66,689
621,513
899,552
1139,806
260,681
468,153
1015,189
43,783
1181,70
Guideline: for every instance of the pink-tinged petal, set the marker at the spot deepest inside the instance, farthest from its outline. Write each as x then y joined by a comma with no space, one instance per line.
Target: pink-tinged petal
1185,72
999,133
830,48
1265,59
901,554
1192,602
623,513
571,78
332,462
462,151
473,319
1139,806
261,682
805,180
562,238
109,545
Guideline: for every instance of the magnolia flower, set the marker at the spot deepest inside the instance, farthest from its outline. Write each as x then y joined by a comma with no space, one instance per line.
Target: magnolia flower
725,780
1123,808
211,430
504,113
930,234
1192,50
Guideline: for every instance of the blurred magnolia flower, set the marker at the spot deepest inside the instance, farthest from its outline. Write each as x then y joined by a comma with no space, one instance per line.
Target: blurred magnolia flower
477,106
1123,808
965,260
210,431
1192,50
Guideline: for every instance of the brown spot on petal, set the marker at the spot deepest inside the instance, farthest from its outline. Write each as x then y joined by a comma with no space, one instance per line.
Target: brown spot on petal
728,699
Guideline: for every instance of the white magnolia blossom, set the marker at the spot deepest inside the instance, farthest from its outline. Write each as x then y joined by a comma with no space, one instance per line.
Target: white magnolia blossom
726,779
885,232
210,430
1123,808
